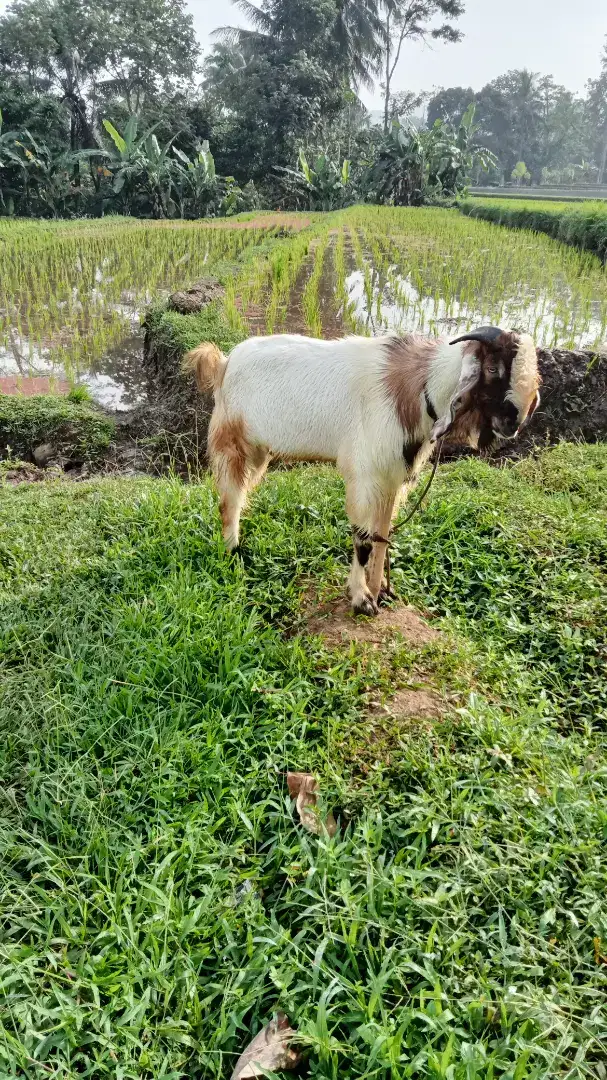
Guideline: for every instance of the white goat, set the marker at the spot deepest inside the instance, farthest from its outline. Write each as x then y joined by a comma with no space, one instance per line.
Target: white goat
374,406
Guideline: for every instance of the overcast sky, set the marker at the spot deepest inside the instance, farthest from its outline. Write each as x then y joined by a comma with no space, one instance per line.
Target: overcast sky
563,38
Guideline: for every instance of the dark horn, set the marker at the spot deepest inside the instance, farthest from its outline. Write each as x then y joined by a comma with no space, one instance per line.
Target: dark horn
487,334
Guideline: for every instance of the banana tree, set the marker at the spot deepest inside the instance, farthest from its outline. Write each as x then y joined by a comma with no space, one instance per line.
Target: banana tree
11,159
140,168
457,154
401,173
324,185
197,183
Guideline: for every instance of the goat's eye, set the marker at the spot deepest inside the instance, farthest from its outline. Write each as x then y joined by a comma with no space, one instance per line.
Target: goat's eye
492,371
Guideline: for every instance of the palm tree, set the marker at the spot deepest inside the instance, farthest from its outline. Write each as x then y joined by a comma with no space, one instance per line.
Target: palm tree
354,38
358,32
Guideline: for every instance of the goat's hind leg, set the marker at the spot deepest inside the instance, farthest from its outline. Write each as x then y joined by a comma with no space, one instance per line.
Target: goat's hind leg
237,466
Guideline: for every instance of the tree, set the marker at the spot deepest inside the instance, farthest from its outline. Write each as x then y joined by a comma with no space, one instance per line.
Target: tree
449,104
290,77
520,172
528,117
412,20
90,54
403,104
597,115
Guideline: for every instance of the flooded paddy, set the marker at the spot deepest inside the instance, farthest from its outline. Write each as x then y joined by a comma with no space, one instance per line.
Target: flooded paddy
72,294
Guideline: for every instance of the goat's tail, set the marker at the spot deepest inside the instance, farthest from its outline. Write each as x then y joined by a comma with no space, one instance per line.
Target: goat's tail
208,364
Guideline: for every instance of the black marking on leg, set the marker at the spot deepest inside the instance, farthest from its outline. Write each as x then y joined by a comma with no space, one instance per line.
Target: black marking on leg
363,551
363,545
410,452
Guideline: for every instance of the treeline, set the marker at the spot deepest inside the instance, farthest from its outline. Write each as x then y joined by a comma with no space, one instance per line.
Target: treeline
538,131
109,108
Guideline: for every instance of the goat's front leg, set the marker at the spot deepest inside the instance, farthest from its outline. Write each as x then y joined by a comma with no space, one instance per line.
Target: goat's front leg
361,516
362,600
381,527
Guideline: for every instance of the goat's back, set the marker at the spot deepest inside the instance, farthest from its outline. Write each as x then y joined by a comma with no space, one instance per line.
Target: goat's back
302,397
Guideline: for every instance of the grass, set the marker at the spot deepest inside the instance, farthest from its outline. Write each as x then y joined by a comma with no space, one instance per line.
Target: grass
153,693
68,423
584,226
180,333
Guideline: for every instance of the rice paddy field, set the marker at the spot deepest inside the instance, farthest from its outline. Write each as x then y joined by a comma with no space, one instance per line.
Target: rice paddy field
161,899
72,294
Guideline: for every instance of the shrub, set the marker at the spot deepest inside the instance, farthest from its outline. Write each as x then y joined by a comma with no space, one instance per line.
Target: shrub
74,429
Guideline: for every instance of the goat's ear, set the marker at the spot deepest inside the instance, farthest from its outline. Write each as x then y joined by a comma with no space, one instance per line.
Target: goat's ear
471,369
533,406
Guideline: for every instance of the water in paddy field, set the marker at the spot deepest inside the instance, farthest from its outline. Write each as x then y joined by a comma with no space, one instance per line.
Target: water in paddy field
394,302
71,304
428,271
115,379
71,307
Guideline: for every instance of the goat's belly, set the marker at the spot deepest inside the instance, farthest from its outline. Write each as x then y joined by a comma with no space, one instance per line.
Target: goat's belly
297,438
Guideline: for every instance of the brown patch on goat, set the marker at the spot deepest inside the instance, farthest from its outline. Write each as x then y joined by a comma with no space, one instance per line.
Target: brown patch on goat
229,447
407,366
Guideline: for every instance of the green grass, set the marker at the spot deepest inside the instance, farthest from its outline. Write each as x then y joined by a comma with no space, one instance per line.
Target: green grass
584,226
68,423
179,333
153,692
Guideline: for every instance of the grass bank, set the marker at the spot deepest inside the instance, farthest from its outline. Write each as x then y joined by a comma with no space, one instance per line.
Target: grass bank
159,898
583,226
73,427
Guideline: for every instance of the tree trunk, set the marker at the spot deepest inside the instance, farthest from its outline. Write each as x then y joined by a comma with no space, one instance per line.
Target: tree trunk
603,165
387,86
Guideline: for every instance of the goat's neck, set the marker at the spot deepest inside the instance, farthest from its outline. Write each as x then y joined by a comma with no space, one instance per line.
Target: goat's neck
444,375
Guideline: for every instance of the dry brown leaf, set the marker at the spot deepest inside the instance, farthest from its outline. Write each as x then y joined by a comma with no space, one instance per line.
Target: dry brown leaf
304,788
268,1051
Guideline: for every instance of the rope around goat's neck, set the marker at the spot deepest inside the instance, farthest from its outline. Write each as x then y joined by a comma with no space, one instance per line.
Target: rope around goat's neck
377,539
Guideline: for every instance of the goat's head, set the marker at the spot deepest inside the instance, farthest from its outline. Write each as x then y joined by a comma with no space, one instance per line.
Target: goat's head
498,390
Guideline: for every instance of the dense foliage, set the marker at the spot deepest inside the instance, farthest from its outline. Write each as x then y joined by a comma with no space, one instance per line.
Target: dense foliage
73,75
528,119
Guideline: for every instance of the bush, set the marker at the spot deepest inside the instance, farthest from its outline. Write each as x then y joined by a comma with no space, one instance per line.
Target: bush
582,226
74,429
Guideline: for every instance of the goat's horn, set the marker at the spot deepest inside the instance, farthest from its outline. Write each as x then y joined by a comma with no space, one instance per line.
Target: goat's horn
486,334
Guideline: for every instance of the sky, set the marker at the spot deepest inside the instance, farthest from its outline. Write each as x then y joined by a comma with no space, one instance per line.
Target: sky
563,38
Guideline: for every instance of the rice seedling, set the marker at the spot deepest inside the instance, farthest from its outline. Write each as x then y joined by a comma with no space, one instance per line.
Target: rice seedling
72,293
310,299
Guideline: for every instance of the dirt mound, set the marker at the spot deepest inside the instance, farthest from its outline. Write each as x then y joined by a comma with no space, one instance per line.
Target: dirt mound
409,704
201,293
338,626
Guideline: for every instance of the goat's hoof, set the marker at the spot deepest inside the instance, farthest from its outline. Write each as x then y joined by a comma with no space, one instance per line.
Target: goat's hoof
386,596
365,606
